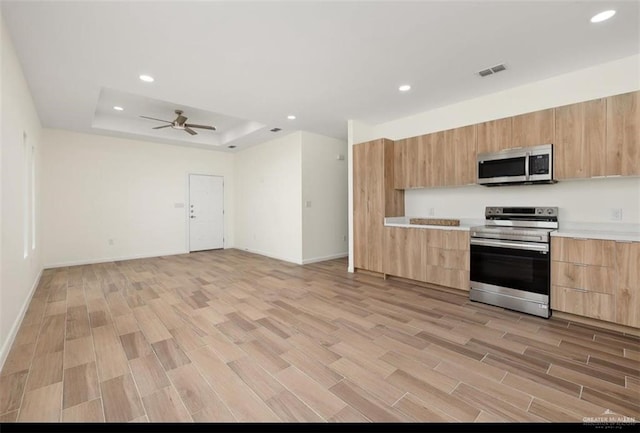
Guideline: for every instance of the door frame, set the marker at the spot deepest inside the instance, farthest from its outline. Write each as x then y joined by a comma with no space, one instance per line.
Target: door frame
188,206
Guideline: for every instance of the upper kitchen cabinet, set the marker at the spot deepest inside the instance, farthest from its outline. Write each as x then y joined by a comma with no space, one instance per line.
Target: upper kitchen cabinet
460,156
494,135
373,198
434,159
532,129
579,144
400,163
623,135
409,169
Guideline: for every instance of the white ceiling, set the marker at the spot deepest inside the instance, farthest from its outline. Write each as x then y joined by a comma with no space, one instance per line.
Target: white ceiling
254,63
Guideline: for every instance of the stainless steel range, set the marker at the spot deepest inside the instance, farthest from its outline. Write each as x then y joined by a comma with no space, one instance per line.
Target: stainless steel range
510,258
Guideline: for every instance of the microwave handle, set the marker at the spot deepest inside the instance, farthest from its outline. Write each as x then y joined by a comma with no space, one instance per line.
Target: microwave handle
526,165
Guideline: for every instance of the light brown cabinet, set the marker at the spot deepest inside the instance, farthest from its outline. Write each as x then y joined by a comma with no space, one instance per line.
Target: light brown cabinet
373,199
444,158
460,156
404,250
532,129
596,278
628,287
623,135
579,144
429,255
447,258
495,135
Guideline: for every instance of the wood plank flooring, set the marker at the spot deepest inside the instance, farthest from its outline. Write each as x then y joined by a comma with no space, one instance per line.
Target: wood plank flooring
223,336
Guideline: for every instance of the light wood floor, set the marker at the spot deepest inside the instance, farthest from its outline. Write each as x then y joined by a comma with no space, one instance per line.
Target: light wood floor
230,336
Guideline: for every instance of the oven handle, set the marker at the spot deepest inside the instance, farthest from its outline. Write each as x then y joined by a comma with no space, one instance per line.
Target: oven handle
511,244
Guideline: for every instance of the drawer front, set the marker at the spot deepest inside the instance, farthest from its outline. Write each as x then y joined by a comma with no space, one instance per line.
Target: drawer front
590,304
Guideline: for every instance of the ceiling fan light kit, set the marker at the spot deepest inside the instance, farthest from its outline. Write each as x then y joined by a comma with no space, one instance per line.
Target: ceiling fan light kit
180,122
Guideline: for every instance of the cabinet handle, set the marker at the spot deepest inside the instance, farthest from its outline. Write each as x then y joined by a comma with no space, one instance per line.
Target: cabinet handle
580,290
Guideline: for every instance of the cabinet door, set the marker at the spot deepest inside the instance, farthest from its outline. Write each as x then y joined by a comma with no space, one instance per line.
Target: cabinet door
435,163
400,169
404,252
532,129
628,288
579,149
494,135
464,140
360,256
374,179
412,162
460,156
623,135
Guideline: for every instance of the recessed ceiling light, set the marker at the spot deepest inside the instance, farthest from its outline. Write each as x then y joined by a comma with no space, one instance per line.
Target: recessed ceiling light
404,88
602,16
275,129
291,117
117,108
231,147
146,78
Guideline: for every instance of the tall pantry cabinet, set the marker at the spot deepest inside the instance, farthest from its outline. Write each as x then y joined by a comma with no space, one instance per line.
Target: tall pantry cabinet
374,198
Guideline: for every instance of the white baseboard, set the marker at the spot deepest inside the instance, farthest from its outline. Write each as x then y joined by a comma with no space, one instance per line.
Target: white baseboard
6,347
273,256
325,258
112,259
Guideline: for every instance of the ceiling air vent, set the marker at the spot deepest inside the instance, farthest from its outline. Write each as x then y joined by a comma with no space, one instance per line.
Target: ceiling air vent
275,129
492,70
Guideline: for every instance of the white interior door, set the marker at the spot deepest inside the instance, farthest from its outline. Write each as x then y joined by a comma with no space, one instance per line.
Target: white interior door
206,212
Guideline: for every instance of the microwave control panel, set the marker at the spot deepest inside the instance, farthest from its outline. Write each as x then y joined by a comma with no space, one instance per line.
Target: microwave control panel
539,164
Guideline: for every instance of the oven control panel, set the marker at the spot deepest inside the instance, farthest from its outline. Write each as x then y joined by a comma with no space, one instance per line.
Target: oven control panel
521,212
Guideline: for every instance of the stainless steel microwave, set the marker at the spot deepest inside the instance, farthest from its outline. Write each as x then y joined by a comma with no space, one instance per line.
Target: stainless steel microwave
523,165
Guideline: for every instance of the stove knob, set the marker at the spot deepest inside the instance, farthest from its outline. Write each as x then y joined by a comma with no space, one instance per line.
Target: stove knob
498,210
539,211
549,211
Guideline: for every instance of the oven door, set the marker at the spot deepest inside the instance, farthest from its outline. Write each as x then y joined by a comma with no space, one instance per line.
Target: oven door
515,265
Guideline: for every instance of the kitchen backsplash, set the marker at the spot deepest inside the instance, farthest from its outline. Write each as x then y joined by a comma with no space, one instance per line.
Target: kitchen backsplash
613,200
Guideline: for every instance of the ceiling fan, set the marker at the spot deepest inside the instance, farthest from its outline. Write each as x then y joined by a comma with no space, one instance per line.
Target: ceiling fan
180,123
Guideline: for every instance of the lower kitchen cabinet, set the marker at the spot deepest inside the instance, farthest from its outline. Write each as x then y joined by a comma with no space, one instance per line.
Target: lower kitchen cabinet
596,278
628,287
583,303
429,255
404,252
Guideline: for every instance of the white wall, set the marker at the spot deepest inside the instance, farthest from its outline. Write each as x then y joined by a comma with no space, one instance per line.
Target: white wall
269,198
324,198
97,188
18,275
579,201
587,200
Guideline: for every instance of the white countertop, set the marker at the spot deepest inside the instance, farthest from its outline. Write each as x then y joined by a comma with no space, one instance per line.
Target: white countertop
613,231
403,221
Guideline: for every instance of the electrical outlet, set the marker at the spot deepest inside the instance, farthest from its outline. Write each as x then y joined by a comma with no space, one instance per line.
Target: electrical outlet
616,214
110,241
344,238
432,211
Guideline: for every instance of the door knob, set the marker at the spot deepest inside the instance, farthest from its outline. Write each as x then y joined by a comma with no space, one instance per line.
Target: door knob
192,216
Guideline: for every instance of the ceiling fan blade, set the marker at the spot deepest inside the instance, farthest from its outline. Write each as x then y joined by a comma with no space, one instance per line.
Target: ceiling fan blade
180,119
160,127
190,131
153,118
191,125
